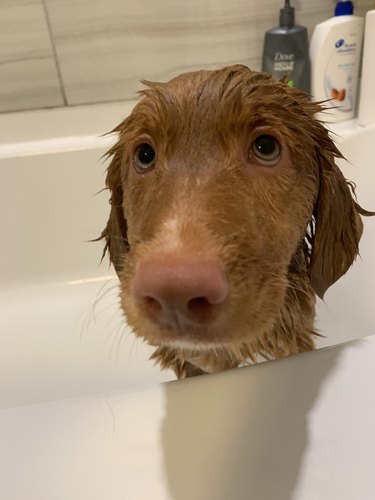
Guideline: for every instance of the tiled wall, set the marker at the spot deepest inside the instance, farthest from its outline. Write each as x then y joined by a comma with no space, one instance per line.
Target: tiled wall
66,52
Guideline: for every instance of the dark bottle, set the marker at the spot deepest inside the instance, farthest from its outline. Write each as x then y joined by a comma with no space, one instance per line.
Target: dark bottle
286,51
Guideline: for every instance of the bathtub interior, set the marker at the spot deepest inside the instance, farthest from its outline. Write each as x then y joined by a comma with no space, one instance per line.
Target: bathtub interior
62,334
61,330
347,310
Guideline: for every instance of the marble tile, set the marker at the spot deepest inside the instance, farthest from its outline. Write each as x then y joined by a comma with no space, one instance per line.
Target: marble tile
28,75
105,47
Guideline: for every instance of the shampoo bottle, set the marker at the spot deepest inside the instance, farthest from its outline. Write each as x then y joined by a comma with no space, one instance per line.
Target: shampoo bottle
366,114
286,51
335,52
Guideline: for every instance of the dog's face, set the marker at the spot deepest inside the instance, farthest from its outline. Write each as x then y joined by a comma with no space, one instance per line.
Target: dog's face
214,181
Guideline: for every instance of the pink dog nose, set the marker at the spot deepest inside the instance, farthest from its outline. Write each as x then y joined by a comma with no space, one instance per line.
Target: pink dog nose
178,291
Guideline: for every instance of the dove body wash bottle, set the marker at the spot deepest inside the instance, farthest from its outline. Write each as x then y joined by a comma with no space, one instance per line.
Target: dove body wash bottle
335,52
286,51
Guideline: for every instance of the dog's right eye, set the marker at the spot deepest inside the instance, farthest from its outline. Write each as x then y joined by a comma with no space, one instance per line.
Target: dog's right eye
266,150
144,157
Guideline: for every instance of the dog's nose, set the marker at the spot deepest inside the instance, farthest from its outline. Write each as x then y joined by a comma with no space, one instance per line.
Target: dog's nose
179,292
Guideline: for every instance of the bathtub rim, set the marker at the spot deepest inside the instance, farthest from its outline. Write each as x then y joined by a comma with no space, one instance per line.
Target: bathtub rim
74,128
55,130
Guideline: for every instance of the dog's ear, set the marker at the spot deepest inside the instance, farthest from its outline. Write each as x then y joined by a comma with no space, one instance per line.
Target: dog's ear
336,227
332,238
115,232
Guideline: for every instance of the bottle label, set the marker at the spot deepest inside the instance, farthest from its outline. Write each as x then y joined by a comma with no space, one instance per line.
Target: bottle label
283,62
340,76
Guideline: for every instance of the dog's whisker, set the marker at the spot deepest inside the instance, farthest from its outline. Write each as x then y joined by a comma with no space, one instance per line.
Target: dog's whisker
115,339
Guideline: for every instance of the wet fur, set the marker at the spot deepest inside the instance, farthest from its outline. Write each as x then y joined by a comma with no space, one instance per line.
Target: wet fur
283,234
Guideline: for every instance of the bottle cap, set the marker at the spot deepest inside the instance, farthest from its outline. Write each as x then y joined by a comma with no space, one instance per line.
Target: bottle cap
344,8
287,15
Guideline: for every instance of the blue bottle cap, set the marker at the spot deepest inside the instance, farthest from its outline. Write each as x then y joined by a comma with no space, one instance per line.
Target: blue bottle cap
344,8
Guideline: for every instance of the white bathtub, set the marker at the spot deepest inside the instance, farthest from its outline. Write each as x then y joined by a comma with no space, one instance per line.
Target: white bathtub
348,311
119,434
61,331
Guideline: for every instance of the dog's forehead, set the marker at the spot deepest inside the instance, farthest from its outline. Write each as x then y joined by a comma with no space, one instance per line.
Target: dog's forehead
224,86
221,78
215,106
230,94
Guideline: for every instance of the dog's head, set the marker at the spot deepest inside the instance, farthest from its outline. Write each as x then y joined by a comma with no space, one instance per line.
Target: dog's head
221,178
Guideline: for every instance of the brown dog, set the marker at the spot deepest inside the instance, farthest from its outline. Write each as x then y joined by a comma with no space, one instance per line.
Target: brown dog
228,214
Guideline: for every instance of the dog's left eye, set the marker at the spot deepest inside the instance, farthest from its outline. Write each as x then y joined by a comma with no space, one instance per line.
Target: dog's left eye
144,157
266,149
